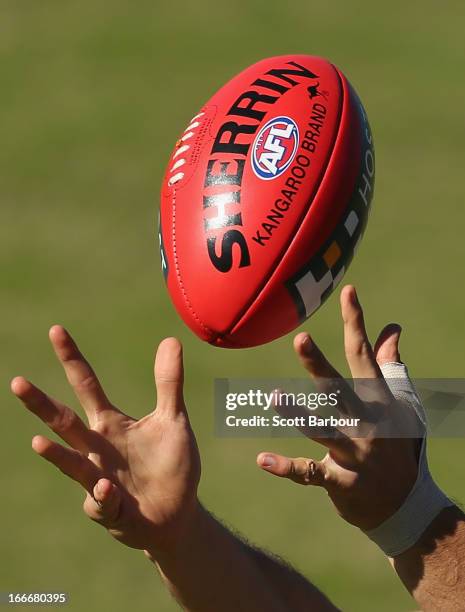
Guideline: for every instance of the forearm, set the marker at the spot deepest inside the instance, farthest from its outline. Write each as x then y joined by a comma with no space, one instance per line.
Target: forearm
211,569
433,570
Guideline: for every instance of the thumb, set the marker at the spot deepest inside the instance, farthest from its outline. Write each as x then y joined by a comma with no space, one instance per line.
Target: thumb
300,470
103,506
387,346
169,377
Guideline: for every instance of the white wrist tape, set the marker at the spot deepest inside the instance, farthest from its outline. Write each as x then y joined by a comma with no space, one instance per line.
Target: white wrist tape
424,502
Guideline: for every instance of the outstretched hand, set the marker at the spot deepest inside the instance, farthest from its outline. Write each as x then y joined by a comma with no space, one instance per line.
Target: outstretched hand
367,478
141,476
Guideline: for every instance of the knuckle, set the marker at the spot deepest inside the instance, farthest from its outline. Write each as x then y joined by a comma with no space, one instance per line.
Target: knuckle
290,470
361,348
298,470
64,421
370,450
103,428
364,450
88,383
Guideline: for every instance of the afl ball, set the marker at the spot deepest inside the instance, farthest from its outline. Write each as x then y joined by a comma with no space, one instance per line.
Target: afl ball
264,201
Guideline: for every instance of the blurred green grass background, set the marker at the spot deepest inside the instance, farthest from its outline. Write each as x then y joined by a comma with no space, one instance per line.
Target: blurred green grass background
93,96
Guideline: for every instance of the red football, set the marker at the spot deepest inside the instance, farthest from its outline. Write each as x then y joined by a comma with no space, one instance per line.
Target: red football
265,198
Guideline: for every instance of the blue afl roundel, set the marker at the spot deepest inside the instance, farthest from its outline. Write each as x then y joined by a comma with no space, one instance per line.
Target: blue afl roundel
275,147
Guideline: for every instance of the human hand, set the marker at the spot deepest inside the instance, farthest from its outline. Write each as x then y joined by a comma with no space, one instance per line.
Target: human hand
141,476
367,478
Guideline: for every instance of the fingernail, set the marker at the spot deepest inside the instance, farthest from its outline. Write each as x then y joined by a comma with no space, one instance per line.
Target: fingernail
268,461
99,488
354,298
307,344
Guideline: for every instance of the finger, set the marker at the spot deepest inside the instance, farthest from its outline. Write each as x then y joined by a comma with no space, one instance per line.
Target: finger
403,389
326,378
61,419
169,377
326,435
300,470
104,504
387,346
359,354
79,373
397,379
313,359
69,461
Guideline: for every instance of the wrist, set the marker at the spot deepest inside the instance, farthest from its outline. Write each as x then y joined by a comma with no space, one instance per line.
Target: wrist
177,537
424,502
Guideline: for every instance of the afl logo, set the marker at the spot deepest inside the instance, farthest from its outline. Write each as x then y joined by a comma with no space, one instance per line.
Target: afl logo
275,147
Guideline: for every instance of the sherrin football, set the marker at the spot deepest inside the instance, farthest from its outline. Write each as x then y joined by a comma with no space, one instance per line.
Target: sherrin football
265,199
